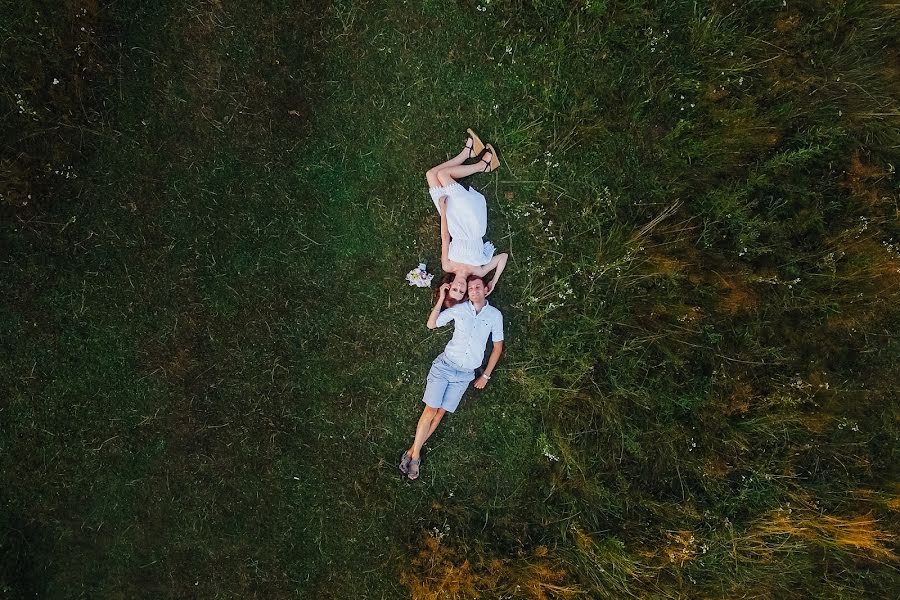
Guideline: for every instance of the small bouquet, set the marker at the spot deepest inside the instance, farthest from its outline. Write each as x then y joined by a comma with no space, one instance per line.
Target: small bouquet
419,277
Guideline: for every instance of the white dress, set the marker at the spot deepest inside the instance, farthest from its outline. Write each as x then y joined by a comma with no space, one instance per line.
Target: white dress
467,224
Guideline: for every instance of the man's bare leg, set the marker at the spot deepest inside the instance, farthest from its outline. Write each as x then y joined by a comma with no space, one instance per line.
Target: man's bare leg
434,423
422,430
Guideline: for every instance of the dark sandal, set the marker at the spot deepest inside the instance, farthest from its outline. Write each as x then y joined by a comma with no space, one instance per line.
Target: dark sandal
495,161
488,164
404,462
413,472
476,141
470,148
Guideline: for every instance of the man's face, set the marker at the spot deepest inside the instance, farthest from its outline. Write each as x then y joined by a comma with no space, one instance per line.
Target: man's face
476,290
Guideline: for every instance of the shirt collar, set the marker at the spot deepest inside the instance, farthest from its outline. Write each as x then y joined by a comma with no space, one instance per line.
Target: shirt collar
472,307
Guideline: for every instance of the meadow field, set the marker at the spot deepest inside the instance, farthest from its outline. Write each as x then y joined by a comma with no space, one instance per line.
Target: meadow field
211,361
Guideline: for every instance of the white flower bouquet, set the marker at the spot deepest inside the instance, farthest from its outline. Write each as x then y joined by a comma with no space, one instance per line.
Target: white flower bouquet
419,277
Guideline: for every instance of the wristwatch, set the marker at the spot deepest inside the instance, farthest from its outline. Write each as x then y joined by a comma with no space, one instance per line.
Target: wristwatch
485,375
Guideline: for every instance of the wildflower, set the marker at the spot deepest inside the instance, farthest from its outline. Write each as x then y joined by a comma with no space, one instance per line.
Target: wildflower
55,81
545,448
419,277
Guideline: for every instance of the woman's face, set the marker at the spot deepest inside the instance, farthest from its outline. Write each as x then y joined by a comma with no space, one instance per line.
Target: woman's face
458,288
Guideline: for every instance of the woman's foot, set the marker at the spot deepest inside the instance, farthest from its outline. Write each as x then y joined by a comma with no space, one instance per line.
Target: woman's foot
490,161
469,148
494,161
477,144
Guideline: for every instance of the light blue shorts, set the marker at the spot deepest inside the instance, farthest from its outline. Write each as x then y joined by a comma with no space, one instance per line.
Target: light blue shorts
446,384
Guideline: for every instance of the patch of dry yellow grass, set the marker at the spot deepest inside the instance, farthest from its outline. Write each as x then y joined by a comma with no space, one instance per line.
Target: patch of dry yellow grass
440,571
858,535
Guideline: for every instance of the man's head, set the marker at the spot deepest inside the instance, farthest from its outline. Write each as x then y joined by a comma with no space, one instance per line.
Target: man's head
476,289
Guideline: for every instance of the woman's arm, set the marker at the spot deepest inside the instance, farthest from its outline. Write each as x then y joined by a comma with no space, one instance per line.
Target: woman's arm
445,236
432,318
498,263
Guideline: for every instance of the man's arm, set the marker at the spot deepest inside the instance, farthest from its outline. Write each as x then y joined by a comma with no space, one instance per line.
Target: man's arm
492,362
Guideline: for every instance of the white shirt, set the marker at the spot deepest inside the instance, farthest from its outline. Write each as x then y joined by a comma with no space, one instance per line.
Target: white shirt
470,333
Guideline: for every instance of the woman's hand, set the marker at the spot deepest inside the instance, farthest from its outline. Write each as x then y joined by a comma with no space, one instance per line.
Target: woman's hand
497,264
436,309
443,204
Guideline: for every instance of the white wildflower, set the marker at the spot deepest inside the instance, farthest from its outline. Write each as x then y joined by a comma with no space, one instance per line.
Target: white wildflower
419,277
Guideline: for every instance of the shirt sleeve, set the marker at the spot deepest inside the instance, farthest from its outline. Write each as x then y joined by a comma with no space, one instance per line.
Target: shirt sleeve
445,316
497,329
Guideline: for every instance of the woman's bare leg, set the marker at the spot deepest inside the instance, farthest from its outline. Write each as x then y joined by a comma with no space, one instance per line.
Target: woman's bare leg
449,175
431,174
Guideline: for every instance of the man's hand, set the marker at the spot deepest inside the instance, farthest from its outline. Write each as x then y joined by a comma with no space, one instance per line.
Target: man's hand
481,382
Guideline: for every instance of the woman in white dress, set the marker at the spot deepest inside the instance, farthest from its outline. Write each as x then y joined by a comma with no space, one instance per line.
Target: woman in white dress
464,217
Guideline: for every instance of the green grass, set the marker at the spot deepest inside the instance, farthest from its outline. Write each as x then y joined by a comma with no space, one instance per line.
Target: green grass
211,361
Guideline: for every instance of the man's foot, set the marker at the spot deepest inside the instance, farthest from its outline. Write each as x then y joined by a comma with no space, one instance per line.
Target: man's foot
413,472
404,462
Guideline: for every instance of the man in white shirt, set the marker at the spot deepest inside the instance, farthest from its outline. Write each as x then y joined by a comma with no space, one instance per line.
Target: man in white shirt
452,371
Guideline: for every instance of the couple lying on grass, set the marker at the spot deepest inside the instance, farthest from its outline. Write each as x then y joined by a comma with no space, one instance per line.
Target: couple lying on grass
466,259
